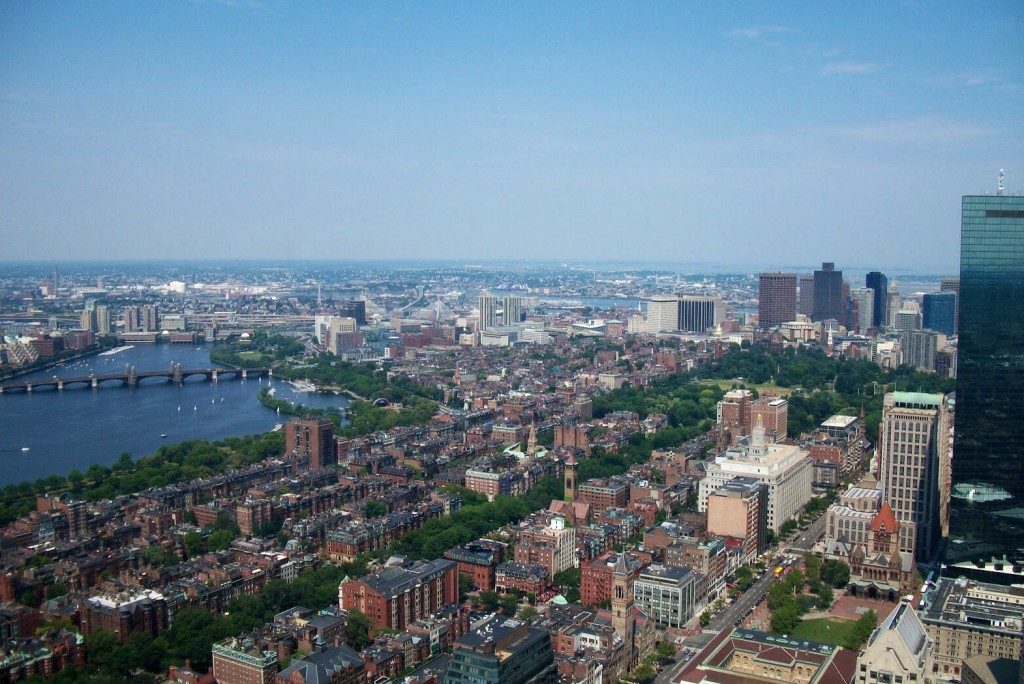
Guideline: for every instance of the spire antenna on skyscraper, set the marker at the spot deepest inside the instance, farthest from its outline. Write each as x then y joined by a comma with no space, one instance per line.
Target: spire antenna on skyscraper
1002,183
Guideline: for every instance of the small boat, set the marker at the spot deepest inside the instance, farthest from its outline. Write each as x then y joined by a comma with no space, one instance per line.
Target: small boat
213,401
163,435
195,408
222,400
26,448
179,408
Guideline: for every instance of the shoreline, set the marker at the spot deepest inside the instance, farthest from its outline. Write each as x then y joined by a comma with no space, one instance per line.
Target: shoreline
17,373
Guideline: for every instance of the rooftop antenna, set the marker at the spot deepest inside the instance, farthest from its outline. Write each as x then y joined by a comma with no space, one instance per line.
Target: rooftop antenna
1002,184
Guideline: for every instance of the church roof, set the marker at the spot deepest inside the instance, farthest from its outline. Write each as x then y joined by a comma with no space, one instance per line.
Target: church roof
885,520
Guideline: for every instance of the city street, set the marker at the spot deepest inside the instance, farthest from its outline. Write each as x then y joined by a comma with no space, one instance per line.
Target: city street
730,615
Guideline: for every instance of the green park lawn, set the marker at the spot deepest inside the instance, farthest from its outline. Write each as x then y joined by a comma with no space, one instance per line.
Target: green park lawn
824,630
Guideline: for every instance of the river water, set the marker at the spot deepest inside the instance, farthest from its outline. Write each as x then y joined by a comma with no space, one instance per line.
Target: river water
77,427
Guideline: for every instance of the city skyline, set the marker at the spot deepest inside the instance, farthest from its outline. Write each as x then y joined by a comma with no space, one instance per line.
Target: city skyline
580,132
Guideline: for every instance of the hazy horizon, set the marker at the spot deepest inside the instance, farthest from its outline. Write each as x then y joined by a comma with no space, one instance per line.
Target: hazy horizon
755,135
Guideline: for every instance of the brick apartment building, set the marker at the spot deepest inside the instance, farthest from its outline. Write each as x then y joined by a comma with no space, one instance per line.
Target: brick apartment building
477,561
122,614
393,597
602,494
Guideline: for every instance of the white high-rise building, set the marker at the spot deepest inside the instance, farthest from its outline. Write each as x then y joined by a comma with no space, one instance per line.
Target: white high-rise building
865,298
662,314
488,305
513,308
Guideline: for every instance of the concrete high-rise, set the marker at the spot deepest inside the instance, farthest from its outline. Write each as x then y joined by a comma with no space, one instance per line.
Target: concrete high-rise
805,304
828,293
776,298
662,314
938,311
953,285
919,348
513,309
699,313
864,300
148,317
102,319
879,284
988,486
908,461
488,305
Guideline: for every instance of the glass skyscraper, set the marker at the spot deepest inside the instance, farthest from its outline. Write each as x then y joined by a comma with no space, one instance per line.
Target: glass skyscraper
987,504
939,312
879,284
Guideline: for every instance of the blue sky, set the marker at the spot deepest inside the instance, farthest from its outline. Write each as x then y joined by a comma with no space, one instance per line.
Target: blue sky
740,133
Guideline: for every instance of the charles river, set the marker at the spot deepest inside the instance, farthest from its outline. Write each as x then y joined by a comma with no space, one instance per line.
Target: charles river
76,427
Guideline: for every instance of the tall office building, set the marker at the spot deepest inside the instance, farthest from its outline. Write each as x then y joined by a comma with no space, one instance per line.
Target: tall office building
776,298
952,285
488,305
828,293
130,318
908,461
988,488
919,348
662,314
805,304
863,298
699,313
513,308
352,308
939,312
879,284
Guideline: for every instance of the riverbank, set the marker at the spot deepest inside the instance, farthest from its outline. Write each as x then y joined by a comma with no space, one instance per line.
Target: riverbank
94,350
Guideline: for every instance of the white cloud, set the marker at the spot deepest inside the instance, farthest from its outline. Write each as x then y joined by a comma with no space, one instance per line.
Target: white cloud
754,32
856,68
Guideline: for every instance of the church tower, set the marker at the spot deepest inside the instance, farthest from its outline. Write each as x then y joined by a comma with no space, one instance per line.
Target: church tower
570,478
531,444
622,606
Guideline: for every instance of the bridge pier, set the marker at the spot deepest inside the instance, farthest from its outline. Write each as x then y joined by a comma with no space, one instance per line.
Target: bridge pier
60,384
28,386
95,383
245,374
214,375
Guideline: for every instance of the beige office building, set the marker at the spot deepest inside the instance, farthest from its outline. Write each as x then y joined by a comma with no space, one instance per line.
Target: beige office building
909,465
784,470
898,651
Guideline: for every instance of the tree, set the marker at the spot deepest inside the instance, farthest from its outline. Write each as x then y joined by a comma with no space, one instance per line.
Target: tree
813,566
527,612
489,599
357,630
705,618
666,650
785,617
220,540
509,605
644,673
795,579
824,596
744,578
862,630
836,573
788,528
375,509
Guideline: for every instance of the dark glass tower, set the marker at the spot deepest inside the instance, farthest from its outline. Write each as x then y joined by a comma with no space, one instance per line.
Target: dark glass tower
880,285
987,504
828,294
939,310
